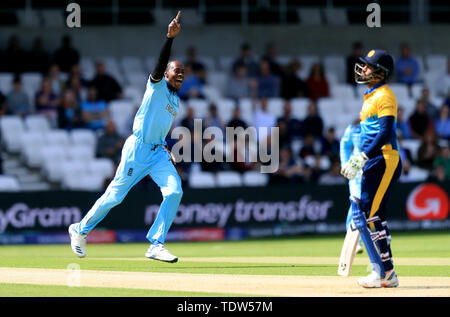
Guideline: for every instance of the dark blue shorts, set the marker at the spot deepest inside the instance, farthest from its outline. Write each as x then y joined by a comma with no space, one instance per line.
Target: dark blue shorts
379,174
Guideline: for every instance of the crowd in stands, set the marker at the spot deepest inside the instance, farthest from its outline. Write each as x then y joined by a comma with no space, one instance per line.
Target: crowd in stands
309,150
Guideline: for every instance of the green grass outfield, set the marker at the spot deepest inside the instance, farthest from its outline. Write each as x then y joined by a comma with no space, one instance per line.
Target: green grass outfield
130,258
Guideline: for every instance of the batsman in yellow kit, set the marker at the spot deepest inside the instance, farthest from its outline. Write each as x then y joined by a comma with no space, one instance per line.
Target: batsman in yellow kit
380,163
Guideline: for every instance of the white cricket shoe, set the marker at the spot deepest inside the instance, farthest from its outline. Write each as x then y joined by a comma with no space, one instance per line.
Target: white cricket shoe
359,249
77,242
159,252
373,280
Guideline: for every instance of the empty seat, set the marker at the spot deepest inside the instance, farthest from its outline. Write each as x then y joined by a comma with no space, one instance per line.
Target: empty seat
275,106
336,65
226,63
335,16
11,128
246,107
31,80
228,179
101,166
342,91
9,184
6,82
87,66
310,16
137,78
218,80
400,91
58,137
255,178
202,180
52,18
37,123
299,107
83,153
225,109
83,137
122,112
436,62
132,64
134,93
200,107
83,182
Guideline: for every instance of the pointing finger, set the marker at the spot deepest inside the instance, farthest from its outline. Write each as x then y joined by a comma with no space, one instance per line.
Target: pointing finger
177,18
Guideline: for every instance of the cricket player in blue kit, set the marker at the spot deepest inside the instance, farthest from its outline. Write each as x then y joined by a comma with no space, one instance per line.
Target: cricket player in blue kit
349,145
145,153
380,163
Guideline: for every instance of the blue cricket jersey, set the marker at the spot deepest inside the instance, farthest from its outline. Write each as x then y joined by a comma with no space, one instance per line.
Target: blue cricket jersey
350,143
156,114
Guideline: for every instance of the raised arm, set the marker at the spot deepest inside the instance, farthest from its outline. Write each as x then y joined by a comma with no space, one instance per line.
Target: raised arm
173,29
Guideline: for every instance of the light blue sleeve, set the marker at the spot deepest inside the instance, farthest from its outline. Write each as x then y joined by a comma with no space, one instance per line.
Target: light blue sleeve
346,145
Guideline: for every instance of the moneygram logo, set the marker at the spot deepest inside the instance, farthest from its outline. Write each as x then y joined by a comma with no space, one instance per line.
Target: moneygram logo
427,201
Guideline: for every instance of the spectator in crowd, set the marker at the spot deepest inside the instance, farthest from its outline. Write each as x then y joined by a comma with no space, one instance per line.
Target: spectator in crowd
419,120
94,111
17,100
408,69
271,57
188,120
292,86
56,81
244,156
236,120
110,143
107,87
239,84
14,57
268,83
75,72
428,150
289,171
308,147
330,144
443,159
47,101
438,174
66,56
333,176
192,86
317,82
38,57
215,148
443,123
3,105
77,88
212,119
284,138
262,118
197,67
403,128
443,84
246,57
432,110
313,123
357,52
407,162
69,113
293,125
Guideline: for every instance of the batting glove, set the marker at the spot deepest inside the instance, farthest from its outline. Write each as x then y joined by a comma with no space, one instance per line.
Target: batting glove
354,165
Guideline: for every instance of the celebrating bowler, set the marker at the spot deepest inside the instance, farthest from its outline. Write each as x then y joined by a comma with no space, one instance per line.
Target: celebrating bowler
145,153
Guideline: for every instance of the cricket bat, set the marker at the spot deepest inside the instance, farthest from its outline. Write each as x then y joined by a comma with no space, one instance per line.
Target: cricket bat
348,250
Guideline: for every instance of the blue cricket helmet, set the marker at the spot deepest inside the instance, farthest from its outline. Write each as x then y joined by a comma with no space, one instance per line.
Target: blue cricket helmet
382,62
